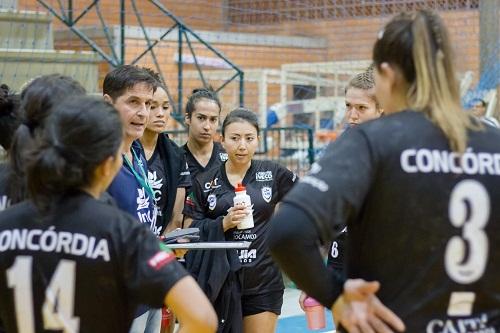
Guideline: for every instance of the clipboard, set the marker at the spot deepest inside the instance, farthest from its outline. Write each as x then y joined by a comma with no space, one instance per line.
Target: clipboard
191,234
210,245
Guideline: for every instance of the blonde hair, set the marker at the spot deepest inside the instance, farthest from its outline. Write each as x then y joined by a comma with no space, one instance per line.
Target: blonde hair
423,39
364,81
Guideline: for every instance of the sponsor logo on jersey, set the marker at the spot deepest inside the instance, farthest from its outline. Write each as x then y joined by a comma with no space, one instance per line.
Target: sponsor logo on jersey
247,256
264,176
443,161
190,200
150,217
54,241
267,193
223,157
212,201
160,259
142,199
156,184
244,235
144,213
211,185
477,324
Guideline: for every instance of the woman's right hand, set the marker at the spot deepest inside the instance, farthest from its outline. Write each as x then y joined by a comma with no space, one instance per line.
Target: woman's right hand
234,217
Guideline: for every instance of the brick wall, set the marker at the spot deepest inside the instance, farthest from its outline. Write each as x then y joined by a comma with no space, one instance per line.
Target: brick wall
352,39
347,39
196,14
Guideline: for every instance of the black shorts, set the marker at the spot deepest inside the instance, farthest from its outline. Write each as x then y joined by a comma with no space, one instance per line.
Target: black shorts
254,304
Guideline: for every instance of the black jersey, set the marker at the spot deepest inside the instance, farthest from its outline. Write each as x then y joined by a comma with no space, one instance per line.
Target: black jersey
336,252
218,157
4,181
157,178
266,183
422,220
84,268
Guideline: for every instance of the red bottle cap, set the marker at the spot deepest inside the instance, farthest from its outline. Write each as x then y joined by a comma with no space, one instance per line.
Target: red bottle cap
240,188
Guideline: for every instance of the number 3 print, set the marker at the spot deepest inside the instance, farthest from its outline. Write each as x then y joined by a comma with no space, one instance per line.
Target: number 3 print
466,255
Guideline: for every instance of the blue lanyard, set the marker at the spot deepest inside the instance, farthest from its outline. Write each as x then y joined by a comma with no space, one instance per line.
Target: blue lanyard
143,181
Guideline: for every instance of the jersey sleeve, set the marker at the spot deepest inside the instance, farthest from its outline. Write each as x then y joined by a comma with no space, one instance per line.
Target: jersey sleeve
194,204
150,270
333,191
286,179
184,174
336,253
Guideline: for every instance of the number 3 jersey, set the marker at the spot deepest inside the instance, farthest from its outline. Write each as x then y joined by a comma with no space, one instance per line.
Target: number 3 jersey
83,268
266,183
422,220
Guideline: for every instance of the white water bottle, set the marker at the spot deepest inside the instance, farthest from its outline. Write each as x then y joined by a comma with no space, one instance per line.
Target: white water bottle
243,199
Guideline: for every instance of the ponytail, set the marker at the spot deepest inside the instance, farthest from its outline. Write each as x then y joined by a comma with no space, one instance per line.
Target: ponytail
51,175
80,134
9,115
37,101
201,94
436,88
16,187
419,45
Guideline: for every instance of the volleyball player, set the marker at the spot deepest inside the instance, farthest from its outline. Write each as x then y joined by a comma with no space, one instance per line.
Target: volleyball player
72,263
202,118
417,191
9,115
361,106
36,102
266,183
9,121
168,173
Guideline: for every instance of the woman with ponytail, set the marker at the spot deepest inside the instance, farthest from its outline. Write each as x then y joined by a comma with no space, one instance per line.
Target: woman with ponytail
9,121
73,263
9,115
416,189
36,103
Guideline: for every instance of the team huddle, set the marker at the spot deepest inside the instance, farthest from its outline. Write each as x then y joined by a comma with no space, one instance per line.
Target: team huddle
403,202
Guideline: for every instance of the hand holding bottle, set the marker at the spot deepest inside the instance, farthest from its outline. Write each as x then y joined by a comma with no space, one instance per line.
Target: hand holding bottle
242,199
235,215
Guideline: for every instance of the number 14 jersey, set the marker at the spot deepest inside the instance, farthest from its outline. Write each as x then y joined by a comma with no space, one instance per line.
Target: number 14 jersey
82,268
